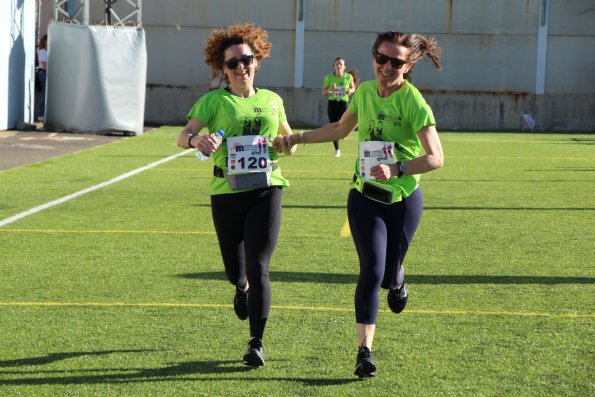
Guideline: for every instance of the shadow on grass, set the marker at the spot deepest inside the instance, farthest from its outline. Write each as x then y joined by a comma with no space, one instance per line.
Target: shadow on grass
177,372
337,278
508,209
564,169
583,141
430,208
311,207
481,279
290,277
53,357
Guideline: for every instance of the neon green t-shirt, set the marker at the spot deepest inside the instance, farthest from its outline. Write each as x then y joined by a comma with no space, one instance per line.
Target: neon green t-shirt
396,118
260,114
342,84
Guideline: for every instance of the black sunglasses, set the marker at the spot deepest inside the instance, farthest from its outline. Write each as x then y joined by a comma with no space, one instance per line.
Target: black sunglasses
233,62
382,59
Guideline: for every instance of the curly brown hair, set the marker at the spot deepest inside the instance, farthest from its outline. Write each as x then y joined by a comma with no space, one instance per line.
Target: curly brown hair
222,39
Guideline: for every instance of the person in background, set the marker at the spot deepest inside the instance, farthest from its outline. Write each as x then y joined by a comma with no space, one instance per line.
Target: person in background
42,58
246,208
337,86
384,205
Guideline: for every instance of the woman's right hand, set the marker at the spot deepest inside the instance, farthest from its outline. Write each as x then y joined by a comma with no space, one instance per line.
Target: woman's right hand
205,143
283,144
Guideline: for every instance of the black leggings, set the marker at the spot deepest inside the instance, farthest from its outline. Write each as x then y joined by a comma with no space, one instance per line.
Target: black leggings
335,110
382,234
247,226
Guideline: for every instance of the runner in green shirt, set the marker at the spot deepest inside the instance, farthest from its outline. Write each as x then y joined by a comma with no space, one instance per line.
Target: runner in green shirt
337,86
385,204
246,188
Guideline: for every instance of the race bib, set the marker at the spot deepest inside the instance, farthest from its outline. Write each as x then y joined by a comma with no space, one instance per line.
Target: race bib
247,154
339,92
372,153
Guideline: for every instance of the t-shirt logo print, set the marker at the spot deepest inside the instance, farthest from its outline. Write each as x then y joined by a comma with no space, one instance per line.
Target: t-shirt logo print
375,128
252,124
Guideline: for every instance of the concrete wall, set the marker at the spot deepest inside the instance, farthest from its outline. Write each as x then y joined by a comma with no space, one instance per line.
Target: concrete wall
489,55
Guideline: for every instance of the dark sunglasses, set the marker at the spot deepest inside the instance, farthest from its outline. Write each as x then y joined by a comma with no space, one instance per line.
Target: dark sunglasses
233,62
382,59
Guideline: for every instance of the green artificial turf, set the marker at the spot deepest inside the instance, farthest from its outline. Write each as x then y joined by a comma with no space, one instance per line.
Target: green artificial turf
121,291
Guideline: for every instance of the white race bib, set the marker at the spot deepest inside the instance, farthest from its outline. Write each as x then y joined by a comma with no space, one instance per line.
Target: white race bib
247,154
339,92
372,153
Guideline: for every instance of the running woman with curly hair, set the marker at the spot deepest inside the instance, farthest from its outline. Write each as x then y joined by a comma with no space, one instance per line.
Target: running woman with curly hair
247,184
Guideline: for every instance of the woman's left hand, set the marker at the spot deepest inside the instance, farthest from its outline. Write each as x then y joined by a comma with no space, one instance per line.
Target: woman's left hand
382,172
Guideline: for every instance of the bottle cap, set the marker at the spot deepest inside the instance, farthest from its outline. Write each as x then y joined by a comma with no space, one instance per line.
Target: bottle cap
221,133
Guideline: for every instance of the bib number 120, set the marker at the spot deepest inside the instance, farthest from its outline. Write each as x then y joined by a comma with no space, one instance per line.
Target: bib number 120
253,163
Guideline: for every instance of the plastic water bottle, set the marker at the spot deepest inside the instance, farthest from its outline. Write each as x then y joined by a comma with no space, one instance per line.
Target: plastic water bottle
218,137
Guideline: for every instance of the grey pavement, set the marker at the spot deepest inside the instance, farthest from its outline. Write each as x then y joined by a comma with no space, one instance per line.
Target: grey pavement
19,148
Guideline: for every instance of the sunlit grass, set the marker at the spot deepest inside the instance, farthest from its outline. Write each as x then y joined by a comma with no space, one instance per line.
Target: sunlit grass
122,291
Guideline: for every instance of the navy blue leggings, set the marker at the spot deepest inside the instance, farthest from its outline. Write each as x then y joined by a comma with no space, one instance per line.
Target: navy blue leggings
247,226
382,234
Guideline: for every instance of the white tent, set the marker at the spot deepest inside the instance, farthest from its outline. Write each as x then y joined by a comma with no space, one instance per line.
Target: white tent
96,78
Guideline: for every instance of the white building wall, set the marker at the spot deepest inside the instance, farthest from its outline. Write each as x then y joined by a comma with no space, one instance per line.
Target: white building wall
489,54
17,62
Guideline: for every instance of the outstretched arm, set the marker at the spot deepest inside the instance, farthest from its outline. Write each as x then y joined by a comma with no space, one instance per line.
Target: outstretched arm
327,133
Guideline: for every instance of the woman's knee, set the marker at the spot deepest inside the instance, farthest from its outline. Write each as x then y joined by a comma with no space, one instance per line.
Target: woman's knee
371,275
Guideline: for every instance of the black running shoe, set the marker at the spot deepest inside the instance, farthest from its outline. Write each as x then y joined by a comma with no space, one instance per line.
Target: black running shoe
365,366
254,356
397,298
240,304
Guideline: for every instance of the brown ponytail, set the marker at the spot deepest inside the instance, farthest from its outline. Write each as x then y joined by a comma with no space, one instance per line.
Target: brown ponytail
423,47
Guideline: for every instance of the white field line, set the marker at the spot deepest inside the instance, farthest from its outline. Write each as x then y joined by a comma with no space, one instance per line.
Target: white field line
64,199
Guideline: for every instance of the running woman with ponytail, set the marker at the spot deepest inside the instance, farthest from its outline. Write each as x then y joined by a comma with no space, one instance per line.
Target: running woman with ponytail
398,141
337,86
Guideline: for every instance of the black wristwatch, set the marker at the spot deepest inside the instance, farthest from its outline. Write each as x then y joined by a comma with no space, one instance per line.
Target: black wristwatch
400,169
